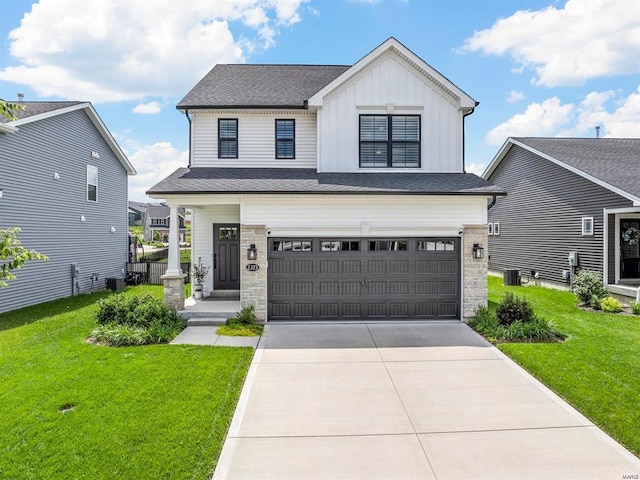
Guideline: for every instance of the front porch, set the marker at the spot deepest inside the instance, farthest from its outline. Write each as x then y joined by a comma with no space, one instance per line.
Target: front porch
211,310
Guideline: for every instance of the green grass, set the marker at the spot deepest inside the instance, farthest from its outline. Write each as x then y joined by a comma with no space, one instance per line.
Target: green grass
151,412
240,330
185,256
596,369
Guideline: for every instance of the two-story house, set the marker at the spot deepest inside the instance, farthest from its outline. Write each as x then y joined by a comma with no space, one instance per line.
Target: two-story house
157,221
136,213
64,183
334,192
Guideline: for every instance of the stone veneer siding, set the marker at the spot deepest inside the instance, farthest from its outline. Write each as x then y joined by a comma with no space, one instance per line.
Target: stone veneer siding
174,291
253,285
474,282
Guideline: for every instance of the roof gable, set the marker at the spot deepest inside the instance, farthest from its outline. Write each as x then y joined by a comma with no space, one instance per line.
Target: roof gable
463,100
36,111
613,163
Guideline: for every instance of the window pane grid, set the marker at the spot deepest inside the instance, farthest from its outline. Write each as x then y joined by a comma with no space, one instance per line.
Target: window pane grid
228,138
390,141
285,139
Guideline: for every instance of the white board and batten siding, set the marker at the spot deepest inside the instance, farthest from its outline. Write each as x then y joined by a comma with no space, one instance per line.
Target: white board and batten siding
256,139
389,86
44,186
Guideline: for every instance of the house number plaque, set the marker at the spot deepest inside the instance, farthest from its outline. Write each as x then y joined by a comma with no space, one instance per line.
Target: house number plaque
253,267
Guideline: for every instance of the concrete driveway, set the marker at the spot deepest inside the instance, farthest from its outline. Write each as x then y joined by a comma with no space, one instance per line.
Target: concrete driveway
405,401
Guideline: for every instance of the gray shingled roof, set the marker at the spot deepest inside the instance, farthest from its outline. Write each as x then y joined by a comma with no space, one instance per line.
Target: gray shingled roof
296,180
260,85
36,108
615,161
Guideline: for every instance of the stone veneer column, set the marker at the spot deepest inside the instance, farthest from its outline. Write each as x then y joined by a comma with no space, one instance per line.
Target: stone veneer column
174,291
253,285
474,282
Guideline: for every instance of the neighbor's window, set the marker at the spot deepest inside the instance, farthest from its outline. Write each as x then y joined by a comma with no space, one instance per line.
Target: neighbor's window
389,141
92,183
285,139
496,228
587,226
490,226
227,138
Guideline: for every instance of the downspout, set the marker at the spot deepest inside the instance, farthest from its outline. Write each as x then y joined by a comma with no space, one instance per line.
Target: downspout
493,202
464,169
189,120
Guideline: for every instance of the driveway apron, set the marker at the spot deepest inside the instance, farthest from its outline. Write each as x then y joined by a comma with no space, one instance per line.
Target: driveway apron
404,401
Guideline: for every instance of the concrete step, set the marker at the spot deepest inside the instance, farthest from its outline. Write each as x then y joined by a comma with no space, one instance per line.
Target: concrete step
205,321
226,294
195,314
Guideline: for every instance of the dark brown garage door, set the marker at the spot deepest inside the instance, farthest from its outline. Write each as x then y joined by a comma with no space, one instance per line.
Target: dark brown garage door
364,278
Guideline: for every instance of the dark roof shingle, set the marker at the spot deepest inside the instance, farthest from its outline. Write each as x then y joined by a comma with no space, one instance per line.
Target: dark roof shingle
297,180
615,161
246,85
36,108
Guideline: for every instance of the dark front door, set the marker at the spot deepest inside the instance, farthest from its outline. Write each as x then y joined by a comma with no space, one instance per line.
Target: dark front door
629,248
226,256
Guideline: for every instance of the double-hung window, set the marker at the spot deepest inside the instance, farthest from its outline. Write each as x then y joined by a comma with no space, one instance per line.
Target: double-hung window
389,141
227,138
285,139
92,183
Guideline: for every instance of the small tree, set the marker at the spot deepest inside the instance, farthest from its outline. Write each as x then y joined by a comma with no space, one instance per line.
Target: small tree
13,255
7,109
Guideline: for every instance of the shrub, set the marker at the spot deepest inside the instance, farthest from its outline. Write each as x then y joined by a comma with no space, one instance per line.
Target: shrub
246,316
611,305
535,330
588,283
135,320
595,302
635,308
513,309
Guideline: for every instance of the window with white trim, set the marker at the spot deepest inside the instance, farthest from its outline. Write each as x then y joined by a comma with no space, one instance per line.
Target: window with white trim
587,226
490,229
92,183
496,228
389,141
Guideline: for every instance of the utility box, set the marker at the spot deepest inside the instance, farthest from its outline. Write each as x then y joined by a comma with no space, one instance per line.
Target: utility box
75,271
511,277
115,283
573,259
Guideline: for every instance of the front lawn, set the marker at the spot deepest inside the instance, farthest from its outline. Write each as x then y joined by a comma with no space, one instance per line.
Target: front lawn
596,369
71,409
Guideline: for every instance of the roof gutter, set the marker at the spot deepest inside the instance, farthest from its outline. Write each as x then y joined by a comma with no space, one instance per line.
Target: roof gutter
473,109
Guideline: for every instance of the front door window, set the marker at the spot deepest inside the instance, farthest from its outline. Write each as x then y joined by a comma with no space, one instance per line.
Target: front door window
630,248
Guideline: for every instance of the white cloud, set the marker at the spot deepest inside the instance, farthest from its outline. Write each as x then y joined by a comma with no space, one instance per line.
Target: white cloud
567,46
514,96
150,108
618,116
476,168
104,50
153,163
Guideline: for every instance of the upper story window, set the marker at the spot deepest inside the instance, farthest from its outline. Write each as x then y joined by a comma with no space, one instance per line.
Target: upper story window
227,138
92,183
389,141
285,139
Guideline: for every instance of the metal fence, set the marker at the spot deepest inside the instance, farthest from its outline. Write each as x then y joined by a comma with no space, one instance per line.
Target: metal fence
151,272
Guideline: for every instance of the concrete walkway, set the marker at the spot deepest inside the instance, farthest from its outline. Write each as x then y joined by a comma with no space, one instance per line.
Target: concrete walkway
405,401
207,335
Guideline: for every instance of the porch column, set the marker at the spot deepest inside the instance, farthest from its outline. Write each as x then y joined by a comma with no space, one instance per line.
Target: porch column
173,279
173,263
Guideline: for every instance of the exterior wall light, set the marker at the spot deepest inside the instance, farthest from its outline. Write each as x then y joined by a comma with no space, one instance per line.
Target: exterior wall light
252,252
113,229
478,251
82,218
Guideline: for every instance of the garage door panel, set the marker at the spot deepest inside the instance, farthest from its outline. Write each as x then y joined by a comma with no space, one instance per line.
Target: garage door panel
344,280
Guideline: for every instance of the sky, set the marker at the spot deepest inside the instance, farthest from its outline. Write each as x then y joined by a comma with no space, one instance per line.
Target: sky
537,67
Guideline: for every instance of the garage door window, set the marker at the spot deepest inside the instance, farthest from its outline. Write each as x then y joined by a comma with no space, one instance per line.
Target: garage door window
387,245
291,246
339,245
436,246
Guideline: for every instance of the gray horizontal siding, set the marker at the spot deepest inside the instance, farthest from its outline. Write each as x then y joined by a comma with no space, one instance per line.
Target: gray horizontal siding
540,218
49,210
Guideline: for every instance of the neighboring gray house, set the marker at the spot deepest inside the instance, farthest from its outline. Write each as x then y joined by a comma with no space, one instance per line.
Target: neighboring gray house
137,211
64,183
157,221
564,195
